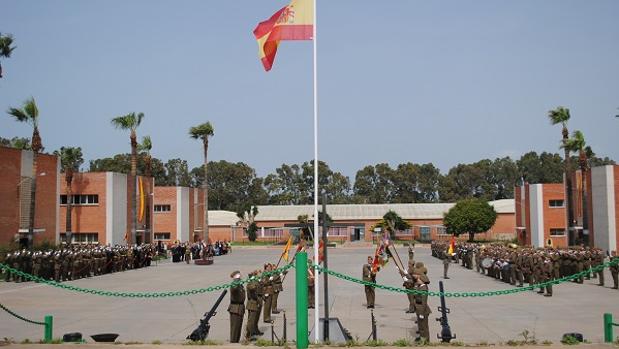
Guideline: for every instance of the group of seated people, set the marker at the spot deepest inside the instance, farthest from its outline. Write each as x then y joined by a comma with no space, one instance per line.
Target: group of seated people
198,250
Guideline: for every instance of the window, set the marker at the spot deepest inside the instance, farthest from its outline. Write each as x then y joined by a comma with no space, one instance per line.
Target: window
162,236
441,230
555,203
557,232
79,199
81,238
163,208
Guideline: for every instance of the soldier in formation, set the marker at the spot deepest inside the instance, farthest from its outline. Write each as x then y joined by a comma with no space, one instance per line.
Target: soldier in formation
369,275
236,307
519,265
77,261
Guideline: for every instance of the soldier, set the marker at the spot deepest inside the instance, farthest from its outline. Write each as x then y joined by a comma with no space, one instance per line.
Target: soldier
9,262
614,269
236,307
597,259
310,284
188,258
547,271
253,307
36,263
411,251
57,266
446,258
409,284
421,307
277,288
267,284
369,276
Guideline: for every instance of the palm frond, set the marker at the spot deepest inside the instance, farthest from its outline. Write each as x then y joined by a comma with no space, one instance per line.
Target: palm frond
70,158
202,131
28,113
5,45
146,144
560,115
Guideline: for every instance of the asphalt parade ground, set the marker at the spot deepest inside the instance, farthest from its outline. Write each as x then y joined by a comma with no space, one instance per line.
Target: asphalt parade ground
498,319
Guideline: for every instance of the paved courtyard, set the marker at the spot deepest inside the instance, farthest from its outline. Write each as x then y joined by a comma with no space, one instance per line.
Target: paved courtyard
573,308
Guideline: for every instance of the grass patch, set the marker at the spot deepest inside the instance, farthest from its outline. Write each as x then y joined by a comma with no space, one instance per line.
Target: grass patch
402,342
254,243
375,343
546,342
261,342
570,340
25,341
156,342
132,343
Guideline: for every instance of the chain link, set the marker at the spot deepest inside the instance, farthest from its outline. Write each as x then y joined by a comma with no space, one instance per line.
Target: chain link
21,317
119,294
469,294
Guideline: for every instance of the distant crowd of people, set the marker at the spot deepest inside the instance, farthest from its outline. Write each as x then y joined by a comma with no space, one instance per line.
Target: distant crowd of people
76,261
185,252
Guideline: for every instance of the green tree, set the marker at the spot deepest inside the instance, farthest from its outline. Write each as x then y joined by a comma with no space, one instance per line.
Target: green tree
203,132
6,49
374,184
177,173
561,116
392,222
29,113
130,122
470,216
576,144
286,186
71,159
22,143
232,185
121,163
542,168
335,185
144,148
247,220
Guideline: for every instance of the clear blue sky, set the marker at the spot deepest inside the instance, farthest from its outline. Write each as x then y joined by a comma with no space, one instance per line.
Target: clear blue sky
422,81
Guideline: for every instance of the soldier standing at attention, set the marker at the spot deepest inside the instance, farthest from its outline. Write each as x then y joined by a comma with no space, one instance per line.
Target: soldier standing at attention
267,284
614,269
411,252
409,284
236,308
277,288
253,314
369,276
446,258
421,307
188,258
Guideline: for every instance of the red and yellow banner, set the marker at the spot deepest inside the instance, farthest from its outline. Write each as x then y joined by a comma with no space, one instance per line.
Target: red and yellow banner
141,191
293,22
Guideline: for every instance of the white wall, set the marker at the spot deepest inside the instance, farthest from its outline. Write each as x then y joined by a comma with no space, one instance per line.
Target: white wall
536,204
182,214
603,204
115,208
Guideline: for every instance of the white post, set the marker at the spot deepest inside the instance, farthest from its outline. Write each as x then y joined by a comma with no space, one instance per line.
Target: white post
316,236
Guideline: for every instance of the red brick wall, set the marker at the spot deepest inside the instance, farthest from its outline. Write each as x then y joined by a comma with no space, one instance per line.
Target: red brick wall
165,222
86,218
10,168
616,174
45,209
554,217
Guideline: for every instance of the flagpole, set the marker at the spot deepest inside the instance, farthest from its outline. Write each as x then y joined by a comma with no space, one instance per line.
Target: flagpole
316,259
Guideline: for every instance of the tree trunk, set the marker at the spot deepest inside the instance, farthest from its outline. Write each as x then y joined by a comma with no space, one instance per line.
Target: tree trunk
585,214
569,202
205,188
69,227
471,237
134,202
36,147
147,202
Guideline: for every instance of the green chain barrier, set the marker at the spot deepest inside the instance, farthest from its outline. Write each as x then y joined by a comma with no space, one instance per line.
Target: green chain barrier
138,294
21,317
468,294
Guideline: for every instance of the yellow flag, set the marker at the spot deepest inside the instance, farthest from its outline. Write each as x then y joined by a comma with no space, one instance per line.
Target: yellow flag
286,249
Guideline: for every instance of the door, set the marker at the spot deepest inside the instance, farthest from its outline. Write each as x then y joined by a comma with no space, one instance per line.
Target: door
424,234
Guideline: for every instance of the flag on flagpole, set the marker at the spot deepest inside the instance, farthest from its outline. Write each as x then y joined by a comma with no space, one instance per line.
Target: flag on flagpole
141,191
292,22
286,249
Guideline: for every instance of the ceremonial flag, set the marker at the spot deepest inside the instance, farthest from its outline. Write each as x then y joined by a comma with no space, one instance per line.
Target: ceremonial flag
286,249
141,190
292,22
452,246
321,251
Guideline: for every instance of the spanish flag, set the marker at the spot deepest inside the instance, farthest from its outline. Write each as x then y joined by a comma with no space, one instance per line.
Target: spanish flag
293,22
452,246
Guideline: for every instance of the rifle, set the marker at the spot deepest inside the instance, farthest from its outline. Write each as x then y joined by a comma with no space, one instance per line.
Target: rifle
445,335
200,333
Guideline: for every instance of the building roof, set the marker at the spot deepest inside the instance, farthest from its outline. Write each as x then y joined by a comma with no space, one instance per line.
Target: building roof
370,211
225,218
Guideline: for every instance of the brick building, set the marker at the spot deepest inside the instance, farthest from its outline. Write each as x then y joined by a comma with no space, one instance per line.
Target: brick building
16,172
541,217
354,222
101,210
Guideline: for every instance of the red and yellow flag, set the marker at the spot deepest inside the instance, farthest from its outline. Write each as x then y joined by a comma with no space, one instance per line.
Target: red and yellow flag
293,22
286,249
452,246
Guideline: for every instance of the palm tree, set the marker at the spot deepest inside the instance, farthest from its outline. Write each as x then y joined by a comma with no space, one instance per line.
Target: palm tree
29,113
573,145
561,115
145,148
131,122
70,161
203,132
5,47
